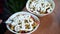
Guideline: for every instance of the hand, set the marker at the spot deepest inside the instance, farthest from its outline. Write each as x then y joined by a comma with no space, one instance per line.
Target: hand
0,21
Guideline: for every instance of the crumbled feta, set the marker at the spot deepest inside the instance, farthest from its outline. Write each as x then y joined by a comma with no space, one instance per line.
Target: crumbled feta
17,28
40,5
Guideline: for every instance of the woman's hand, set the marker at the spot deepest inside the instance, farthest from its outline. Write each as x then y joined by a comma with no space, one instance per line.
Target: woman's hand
0,21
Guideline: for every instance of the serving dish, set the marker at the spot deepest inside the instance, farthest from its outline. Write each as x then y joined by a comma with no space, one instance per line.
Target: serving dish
40,7
22,22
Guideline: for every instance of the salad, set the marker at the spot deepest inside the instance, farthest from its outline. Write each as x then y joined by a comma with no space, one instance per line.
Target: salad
22,23
39,6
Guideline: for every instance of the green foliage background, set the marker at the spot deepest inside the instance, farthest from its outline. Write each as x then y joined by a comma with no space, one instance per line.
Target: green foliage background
15,5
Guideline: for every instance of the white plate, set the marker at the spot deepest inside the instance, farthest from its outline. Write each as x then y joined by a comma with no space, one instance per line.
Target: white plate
51,1
35,17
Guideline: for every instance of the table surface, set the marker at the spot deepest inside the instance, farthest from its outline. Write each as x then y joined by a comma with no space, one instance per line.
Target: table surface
48,24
